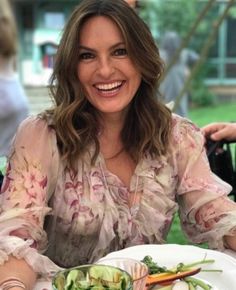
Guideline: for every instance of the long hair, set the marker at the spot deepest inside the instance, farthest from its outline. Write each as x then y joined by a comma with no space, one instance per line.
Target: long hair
8,31
147,124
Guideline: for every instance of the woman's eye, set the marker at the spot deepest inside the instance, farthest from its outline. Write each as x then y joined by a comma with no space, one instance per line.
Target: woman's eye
86,56
120,52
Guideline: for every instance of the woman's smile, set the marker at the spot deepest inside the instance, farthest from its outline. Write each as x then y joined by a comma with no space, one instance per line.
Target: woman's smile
109,89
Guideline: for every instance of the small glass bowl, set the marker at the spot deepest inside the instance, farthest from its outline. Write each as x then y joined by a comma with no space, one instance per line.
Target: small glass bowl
137,269
92,276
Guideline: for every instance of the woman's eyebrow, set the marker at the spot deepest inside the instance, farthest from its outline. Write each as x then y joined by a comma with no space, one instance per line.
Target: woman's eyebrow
94,50
117,44
86,48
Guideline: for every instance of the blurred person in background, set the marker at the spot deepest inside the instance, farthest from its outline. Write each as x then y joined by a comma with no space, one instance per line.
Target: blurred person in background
13,101
174,81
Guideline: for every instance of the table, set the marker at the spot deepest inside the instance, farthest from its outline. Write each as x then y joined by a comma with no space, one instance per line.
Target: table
42,284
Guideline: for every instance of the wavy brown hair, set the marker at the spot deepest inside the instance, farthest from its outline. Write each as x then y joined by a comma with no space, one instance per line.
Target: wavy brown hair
8,31
147,125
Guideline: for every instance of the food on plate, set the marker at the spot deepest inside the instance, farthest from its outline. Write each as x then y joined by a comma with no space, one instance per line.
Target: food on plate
169,277
96,277
178,277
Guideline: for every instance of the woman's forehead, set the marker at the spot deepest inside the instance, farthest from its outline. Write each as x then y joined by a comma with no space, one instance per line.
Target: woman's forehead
100,28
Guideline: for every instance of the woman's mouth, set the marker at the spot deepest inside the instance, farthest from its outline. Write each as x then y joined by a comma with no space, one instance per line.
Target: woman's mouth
109,88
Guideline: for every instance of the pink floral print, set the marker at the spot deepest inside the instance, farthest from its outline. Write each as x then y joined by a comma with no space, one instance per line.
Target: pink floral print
78,216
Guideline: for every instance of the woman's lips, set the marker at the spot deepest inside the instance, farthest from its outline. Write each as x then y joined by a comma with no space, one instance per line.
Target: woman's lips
109,89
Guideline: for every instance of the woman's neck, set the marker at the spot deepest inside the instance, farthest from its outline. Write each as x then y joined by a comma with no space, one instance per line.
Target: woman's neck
112,124
109,137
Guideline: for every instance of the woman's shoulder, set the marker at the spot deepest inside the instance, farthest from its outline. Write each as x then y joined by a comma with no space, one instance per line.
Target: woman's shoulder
36,124
181,123
34,137
183,129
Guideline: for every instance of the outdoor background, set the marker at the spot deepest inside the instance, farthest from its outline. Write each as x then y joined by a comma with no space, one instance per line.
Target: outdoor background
208,27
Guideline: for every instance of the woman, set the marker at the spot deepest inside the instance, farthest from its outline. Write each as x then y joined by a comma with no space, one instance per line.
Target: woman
108,157
221,130
13,102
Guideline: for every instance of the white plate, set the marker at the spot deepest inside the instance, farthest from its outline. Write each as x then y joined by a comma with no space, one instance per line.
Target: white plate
171,254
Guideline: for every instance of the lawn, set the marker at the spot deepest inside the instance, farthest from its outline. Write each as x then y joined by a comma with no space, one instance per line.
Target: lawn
2,164
224,112
202,116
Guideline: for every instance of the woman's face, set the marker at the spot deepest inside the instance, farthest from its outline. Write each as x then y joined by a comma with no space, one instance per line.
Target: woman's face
106,72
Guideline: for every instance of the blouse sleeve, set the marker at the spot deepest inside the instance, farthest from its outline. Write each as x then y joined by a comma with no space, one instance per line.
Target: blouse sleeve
207,214
28,185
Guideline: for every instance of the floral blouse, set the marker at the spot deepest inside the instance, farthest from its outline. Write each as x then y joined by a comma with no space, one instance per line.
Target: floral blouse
54,216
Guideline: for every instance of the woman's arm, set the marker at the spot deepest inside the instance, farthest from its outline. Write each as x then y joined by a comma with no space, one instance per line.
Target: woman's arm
207,214
17,269
28,184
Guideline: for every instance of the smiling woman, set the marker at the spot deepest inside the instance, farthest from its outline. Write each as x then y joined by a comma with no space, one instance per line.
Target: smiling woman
109,165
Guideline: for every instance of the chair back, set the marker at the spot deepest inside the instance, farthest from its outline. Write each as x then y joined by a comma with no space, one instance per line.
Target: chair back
1,180
222,159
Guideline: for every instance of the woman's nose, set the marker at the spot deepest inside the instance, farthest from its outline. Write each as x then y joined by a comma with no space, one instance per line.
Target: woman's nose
105,67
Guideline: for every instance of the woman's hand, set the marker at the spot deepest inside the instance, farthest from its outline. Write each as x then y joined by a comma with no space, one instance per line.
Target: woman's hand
219,131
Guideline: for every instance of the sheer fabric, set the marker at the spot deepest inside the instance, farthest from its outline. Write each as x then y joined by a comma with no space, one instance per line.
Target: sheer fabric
54,216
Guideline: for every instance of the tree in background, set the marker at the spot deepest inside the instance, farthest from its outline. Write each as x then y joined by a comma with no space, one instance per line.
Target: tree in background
181,16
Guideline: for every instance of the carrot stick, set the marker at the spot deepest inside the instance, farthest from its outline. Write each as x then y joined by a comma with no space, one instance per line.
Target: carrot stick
168,277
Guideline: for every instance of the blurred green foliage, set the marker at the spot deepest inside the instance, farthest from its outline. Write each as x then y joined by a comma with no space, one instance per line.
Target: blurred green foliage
179,16
172,15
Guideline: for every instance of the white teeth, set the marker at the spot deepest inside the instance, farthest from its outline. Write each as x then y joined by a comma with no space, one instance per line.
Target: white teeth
110,86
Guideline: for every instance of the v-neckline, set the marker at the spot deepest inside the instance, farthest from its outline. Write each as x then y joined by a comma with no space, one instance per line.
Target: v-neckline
134,199
133,178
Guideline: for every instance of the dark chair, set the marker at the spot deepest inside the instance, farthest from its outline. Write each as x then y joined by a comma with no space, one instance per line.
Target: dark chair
222,159
1,179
